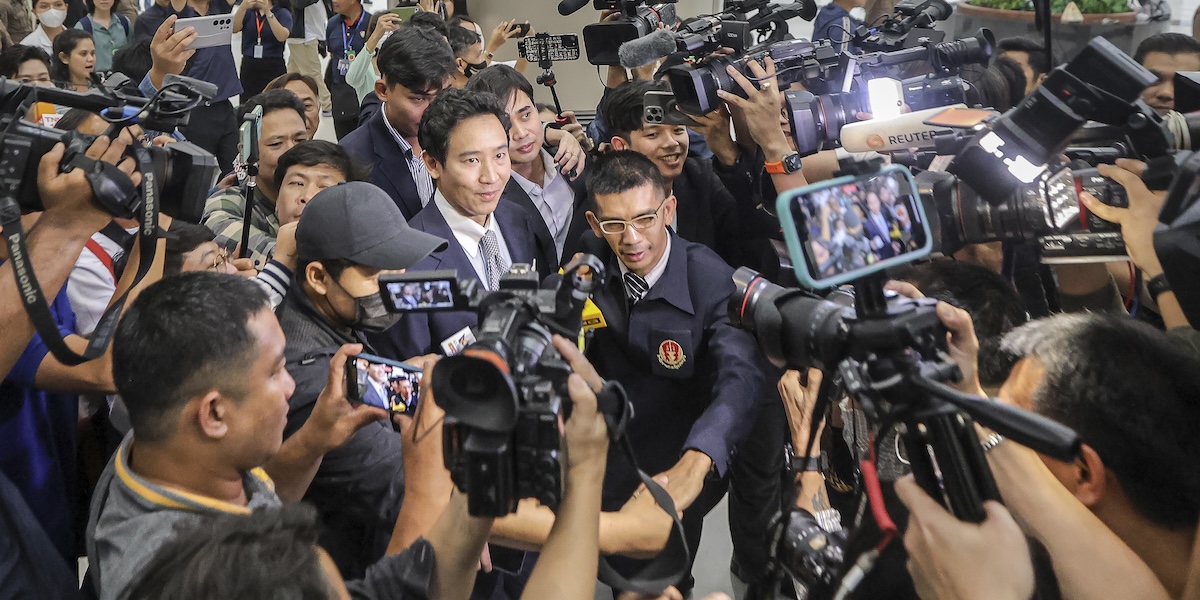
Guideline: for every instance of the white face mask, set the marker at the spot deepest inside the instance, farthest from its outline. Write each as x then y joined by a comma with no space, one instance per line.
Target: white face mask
53,17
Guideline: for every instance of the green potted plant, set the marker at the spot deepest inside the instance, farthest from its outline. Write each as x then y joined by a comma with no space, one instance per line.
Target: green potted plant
1094,11
1113,20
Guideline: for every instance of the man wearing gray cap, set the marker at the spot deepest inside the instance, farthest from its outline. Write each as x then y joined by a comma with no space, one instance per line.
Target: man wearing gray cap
347,236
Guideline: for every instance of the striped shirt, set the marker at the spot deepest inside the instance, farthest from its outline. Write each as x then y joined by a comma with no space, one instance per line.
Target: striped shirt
224,212
416,165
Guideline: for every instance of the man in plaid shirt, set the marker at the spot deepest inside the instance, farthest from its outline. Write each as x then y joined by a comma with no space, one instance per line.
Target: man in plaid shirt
283,127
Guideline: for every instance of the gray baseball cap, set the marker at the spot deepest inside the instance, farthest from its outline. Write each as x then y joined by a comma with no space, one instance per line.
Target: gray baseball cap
359,222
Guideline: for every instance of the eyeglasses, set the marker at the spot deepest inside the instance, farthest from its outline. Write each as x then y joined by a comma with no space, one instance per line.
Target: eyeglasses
642,223
220,261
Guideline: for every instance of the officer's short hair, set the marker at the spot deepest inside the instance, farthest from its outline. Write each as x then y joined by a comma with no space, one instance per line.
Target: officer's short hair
621,171
1167,43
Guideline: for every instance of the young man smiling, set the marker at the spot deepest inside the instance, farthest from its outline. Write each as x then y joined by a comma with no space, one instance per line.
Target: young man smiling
537,185
465,138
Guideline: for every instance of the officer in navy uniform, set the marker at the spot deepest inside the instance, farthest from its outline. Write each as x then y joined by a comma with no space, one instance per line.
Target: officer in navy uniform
465,138
695,380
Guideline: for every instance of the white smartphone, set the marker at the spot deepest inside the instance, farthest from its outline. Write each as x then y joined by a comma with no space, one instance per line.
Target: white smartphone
214,30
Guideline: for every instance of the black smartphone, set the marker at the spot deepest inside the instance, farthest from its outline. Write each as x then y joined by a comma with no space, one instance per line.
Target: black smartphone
522,29
556,48
383,383
421,291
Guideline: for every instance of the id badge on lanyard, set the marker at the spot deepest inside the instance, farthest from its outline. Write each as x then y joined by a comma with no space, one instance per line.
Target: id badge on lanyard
348,31
258,48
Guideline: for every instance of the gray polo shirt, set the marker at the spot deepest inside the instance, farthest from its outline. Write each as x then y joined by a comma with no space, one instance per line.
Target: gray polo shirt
132,518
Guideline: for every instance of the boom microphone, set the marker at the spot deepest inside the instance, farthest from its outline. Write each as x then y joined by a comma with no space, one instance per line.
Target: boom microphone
647,49
897,133
567,7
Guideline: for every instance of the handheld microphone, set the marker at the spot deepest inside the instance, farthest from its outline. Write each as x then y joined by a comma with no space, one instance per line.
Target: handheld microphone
567,7
897,133
647,49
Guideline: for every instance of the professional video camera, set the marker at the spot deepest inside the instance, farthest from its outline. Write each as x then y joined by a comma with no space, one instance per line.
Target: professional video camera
737,29
908,26
603,40
890,356
820,69
185,172
180,172
504,393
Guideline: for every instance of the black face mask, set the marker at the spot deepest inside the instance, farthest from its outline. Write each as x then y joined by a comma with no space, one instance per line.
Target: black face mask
473,68
370,314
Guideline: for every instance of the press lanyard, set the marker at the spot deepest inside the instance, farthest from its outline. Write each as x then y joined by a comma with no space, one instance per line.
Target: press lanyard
259,20
346,37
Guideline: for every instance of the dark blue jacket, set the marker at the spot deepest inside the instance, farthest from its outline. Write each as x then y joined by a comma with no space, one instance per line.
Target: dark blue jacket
422,333
705,397
373,145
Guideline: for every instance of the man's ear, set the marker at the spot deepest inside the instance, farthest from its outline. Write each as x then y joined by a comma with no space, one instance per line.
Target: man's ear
317,278
619,143
669,206
381,90
594,223
461,64
1093,476
212,414
432,165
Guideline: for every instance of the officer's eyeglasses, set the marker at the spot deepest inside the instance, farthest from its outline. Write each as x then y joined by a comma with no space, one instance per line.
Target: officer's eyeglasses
642,223
220,261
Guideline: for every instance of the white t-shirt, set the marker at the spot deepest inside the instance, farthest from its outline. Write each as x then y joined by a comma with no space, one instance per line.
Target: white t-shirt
314,23
38,39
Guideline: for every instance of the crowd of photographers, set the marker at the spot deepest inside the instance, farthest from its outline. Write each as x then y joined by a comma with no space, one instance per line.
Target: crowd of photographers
214,448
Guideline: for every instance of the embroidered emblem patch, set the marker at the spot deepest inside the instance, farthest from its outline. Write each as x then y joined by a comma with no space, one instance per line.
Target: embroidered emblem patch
670,354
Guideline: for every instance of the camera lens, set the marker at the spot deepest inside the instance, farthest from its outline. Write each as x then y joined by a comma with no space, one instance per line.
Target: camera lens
475,390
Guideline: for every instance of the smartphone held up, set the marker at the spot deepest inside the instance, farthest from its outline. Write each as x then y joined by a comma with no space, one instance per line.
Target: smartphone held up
383,383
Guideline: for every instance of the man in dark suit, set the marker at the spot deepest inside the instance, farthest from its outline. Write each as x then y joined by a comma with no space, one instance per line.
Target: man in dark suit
878,227
694,379
707,213
465,137
555,198
415,64
376,393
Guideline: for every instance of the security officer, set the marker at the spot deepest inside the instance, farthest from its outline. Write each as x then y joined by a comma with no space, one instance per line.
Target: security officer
694,379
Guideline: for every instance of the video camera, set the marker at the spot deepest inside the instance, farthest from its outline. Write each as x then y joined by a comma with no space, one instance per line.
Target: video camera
185,172
908,26
603,40
821,70
890,356
504,393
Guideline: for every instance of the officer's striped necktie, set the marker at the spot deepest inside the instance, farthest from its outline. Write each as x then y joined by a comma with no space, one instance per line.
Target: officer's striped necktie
635,286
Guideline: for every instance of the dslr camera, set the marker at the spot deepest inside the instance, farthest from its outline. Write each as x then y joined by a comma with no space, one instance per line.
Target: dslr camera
505,393
603,40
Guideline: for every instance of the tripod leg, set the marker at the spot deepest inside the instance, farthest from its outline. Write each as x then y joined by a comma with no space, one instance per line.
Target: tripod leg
949,464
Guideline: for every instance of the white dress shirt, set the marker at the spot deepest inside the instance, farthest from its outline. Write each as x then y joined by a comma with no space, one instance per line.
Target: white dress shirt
554,199
416,165
469,233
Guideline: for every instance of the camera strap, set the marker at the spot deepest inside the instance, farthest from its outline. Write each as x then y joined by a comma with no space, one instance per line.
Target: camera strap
671,564
13,162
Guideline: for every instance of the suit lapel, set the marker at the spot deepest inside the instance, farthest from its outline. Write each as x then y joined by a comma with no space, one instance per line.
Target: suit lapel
453,257
516,232
394,166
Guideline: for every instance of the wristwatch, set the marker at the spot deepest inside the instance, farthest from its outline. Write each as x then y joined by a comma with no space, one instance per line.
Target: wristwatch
790,164
797,464
1158,285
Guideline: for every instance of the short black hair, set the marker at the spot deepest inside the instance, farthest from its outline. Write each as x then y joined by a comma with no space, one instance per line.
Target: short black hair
430,21
1167,43
450,108
65,43
987,87
416,58
461,40
12,59
271,101
1130,391
625,104
183,336
1040,61
319,152
182,238
994,304
501,80
273,553
620,171
134,59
